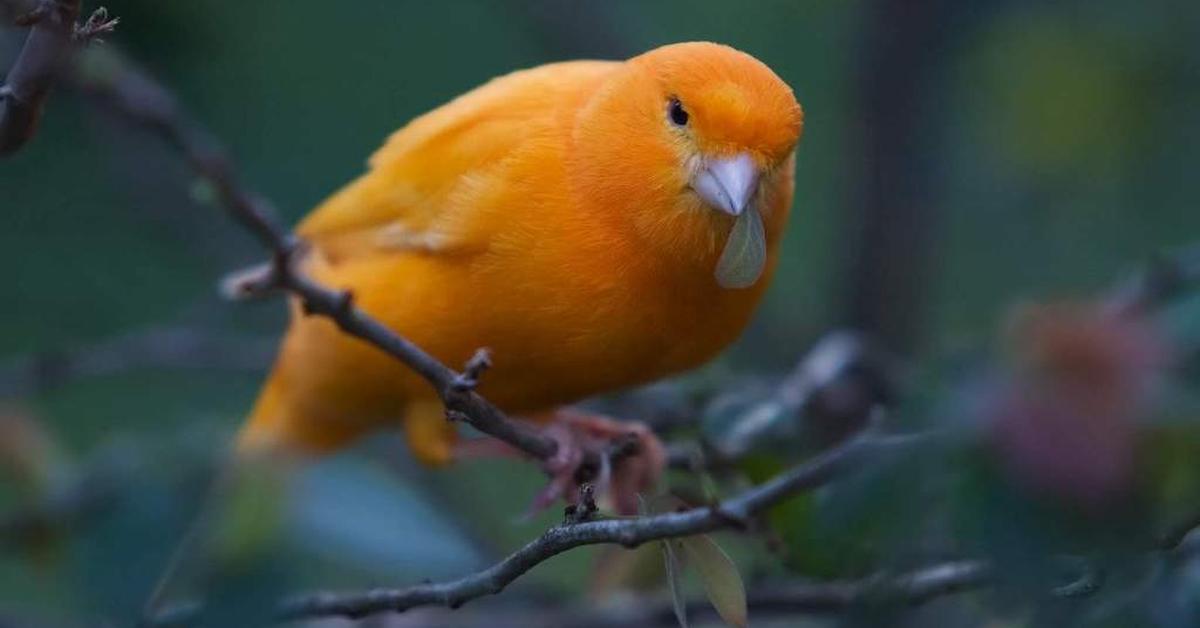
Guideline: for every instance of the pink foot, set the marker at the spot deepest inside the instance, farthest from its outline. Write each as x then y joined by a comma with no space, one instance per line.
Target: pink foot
621,459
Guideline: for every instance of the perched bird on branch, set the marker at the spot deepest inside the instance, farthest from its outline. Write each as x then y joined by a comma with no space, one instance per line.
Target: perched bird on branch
596,224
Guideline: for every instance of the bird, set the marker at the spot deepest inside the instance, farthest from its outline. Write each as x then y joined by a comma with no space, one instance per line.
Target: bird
596,224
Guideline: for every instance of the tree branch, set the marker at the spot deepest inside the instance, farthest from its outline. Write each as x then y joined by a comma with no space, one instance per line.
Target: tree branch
778,600
143,101
914,587
46,49
50,44
627,532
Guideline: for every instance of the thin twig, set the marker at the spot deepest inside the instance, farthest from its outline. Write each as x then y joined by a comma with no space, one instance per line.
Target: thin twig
47,48
912,588
53,39
627,532
145,102
766,600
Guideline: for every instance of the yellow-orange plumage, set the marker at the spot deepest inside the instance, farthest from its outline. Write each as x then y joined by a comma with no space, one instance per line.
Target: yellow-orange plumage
548,215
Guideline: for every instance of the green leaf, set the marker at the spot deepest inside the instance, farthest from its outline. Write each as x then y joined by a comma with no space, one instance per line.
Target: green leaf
745,253
718,574
674,576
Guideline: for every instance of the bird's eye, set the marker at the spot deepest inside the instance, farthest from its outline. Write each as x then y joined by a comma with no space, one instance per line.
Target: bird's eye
678,115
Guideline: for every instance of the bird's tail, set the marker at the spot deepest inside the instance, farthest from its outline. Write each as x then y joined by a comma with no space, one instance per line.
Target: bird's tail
295,422
256,452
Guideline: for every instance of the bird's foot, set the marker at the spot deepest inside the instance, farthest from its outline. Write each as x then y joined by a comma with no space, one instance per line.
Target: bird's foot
621,459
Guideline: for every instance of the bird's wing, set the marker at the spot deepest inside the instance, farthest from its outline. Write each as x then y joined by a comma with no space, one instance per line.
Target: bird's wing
416,194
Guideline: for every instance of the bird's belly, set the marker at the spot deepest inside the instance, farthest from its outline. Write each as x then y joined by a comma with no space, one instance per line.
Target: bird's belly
555,339
563,343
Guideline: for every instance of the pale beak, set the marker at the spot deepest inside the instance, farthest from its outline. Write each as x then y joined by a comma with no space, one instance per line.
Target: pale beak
727,184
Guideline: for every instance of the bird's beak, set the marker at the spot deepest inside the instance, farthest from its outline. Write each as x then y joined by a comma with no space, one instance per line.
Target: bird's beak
728,183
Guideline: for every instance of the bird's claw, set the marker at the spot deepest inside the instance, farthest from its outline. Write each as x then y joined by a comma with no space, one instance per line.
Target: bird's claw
621,459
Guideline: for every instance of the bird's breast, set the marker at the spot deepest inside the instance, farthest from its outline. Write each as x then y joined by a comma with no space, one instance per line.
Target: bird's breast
592,317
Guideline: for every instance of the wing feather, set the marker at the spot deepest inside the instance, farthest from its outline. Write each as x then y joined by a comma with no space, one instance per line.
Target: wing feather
415,195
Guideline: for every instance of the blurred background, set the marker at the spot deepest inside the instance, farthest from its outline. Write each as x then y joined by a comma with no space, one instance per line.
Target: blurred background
958,159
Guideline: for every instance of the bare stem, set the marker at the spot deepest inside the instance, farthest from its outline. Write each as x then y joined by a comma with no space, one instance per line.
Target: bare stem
47,49
142,100
627,532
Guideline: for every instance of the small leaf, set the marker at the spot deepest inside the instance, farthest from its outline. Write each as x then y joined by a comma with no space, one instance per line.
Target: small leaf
674,577
718,574
745,253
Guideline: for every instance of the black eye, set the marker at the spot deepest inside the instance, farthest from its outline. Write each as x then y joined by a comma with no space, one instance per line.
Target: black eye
676,112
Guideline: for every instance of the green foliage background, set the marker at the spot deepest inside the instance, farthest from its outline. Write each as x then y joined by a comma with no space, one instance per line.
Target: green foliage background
1063,139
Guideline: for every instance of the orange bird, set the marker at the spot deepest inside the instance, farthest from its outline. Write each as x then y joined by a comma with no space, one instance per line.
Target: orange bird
597,224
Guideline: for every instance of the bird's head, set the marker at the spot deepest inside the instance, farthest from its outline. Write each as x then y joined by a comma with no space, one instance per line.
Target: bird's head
689,142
